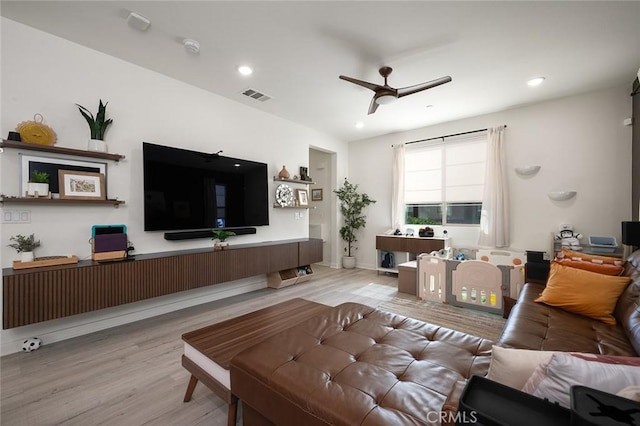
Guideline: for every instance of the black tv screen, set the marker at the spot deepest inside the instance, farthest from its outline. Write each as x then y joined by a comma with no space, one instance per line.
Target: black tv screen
188,190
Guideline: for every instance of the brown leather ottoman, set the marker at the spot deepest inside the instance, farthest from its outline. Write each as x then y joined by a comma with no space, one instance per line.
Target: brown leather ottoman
209,350
355,365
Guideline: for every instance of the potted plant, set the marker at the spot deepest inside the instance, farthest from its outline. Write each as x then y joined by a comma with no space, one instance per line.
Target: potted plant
352,205
38,185
220,236
24,246
97,126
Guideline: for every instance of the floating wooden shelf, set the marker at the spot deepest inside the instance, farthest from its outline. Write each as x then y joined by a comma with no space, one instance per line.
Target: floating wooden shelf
278,206
56,201
301,182
59,150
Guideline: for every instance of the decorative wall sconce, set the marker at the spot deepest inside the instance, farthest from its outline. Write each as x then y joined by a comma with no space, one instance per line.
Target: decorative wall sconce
527,170
561,195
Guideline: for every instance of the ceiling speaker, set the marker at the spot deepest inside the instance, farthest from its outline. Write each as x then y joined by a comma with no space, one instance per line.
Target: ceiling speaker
138,22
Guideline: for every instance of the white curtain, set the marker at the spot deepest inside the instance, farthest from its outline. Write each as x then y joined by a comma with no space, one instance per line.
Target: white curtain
397,194
494,220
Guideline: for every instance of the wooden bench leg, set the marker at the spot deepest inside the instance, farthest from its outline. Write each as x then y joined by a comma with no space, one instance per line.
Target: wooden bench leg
233,411
190,388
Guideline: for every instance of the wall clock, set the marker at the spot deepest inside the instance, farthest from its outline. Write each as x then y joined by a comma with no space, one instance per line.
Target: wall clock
284,195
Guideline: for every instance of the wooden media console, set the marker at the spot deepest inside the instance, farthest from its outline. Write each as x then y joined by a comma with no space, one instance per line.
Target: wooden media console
42,294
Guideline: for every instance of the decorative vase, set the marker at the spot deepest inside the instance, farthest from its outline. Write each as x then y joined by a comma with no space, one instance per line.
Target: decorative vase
97,145
26,256
348,262
37,189
284,173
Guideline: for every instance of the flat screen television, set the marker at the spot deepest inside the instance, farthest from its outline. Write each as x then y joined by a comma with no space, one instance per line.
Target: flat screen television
190,190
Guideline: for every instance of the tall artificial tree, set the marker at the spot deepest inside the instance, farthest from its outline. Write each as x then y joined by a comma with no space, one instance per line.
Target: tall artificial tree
352,205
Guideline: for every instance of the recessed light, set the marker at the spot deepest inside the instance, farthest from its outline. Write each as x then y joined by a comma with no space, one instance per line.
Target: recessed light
535,81
359,125
245,70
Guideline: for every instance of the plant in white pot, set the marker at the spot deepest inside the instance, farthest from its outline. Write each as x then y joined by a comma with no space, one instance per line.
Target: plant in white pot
220,237
352,206
97,125
24,246
38,185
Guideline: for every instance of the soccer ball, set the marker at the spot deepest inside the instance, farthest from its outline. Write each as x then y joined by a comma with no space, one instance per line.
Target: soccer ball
31,344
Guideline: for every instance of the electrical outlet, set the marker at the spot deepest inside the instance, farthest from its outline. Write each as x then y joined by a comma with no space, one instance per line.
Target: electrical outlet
16,216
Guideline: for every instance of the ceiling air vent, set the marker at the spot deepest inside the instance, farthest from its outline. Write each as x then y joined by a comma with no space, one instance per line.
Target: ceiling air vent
256,95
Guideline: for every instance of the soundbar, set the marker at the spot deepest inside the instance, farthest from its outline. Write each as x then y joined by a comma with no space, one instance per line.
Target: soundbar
204,233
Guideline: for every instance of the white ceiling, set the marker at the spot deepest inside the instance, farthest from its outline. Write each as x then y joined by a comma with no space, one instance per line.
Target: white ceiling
298,49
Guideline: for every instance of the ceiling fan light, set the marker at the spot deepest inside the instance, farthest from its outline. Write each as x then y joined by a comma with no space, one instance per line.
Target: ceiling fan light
385,99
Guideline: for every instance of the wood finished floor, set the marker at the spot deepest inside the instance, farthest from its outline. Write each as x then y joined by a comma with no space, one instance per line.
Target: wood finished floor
131,375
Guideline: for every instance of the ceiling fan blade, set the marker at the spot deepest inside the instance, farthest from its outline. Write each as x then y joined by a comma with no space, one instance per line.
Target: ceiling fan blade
366,84
424,86
373,106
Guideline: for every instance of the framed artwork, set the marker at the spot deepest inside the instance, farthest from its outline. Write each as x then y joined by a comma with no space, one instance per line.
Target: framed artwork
76,185
316,195
303,197
51,166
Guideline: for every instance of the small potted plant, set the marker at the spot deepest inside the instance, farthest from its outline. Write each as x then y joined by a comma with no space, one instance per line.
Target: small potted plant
220,237
97,126
24,246
352,205
38,185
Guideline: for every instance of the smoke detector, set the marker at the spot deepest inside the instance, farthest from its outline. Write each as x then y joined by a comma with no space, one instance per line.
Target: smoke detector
192,46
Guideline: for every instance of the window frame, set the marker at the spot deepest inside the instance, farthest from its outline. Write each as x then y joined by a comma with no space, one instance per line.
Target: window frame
444,204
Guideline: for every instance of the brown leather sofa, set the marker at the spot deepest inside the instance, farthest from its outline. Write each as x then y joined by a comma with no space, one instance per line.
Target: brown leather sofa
541,327
355,365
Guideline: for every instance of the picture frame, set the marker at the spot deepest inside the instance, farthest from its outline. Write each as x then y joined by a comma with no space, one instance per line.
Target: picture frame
303,197
77,185
51,165
316,194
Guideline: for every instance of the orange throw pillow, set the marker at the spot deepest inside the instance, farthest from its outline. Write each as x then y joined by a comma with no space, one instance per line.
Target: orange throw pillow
600,268
583,292
594,258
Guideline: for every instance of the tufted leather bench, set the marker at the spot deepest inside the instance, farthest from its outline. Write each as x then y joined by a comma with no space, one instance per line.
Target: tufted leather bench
355,365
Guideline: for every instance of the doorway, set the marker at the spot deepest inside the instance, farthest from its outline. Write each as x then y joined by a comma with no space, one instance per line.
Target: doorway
322,172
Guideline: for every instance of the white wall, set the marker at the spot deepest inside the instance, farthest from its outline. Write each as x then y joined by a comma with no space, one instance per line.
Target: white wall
45,74
579,141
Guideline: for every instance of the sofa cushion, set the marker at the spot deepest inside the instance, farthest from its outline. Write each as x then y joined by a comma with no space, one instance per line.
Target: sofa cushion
594,258
542,327
583,292
552,380
601,268
357,365
513,367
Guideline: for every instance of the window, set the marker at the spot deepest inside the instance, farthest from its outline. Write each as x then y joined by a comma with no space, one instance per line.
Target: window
444,181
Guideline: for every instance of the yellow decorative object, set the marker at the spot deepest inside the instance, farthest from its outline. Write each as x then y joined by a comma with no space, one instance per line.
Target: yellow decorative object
36,132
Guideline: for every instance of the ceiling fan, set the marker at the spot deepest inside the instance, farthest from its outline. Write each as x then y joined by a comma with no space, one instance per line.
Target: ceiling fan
387,94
